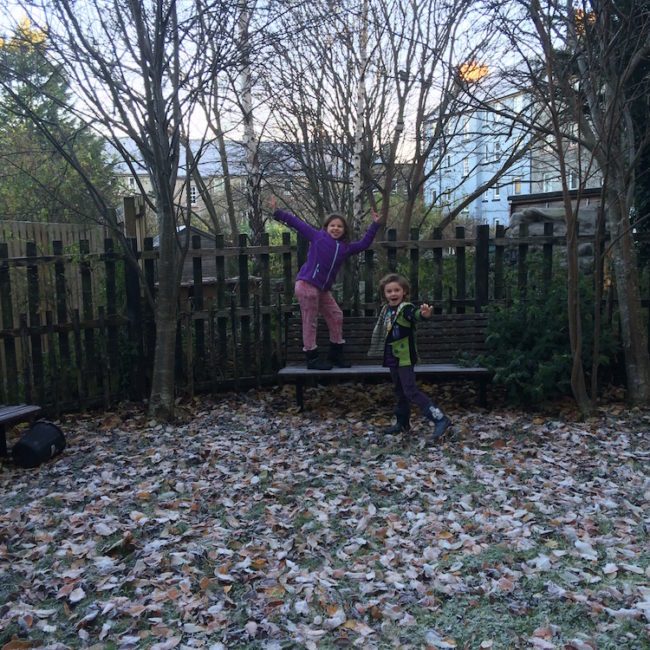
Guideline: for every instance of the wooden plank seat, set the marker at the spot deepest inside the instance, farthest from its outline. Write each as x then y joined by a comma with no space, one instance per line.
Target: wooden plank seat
441,341
12,415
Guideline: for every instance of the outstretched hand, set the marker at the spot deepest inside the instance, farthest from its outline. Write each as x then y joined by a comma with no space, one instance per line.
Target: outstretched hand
426,310
272,203
376,217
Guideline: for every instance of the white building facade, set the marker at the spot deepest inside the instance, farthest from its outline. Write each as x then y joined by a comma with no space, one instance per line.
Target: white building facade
476,147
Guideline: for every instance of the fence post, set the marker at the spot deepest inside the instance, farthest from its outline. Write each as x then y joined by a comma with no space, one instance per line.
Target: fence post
369,287
461,272
222,318
391,253
414,265
148,314
10,386
547,253
499,249
198,306
78,355
34,306
522,267
54,367
437,273
134,316
92,368
112,343
481,267
265,270
244,302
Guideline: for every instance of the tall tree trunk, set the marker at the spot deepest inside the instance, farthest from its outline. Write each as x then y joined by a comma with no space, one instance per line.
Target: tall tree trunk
253,207
357,171
161,399
227,185
633,333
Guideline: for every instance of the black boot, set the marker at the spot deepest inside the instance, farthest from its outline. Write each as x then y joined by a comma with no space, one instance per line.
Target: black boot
314,363
336,356
402,425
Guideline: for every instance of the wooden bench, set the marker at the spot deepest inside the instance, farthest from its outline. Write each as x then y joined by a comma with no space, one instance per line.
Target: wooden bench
11,415
440,341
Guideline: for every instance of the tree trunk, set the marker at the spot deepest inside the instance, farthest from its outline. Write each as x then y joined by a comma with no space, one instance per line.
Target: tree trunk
253,208
578,384
357,171
633,333
162,397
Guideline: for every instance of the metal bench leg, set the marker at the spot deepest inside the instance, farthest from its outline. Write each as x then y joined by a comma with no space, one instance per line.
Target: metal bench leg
482,393
300,401
3,442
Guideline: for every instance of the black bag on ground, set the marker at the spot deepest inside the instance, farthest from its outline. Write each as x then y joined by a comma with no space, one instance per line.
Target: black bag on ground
43,441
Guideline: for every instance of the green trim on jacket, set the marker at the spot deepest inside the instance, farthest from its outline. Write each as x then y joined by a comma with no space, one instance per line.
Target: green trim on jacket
401,337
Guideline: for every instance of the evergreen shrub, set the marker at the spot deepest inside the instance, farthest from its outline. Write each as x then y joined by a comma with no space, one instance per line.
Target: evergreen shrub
528,344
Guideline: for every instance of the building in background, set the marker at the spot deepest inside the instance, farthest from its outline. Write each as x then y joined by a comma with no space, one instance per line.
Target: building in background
491,152
476,147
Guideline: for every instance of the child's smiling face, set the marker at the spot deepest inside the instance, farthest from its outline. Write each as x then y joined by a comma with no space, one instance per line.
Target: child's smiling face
394,293
336,229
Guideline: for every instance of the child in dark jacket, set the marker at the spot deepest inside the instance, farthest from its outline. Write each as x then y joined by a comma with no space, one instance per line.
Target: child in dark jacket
394,336
329,248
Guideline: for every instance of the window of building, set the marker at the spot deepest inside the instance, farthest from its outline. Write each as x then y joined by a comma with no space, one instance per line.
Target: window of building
516,185
497,115
466,130
548,181
573,180
496,193
193,194
466,167
132,182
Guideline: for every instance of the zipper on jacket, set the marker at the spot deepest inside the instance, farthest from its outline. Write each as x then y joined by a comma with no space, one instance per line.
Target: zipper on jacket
336,254
315,273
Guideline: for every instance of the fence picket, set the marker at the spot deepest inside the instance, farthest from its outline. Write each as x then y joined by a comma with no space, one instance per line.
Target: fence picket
232,334
10,392
35,339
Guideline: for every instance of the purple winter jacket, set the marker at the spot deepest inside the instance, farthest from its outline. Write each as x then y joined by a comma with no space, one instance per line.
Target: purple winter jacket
326,254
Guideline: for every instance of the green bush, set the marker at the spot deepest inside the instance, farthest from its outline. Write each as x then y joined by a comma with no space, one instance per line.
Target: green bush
528,344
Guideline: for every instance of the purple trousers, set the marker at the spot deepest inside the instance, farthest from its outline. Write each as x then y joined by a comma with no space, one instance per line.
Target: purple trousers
407,392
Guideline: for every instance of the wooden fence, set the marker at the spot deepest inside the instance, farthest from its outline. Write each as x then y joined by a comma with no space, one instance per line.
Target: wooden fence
77,332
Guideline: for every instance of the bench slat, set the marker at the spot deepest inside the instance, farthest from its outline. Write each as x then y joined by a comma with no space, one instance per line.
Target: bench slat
10,415
440,342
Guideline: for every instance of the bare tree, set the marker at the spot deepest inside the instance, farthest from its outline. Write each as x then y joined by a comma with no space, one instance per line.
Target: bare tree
397,73
133,66
582,65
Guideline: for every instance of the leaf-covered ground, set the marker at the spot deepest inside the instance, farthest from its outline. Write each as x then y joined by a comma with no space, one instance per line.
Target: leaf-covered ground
250,525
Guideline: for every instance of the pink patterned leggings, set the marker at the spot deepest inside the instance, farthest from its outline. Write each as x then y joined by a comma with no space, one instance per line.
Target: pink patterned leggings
313,301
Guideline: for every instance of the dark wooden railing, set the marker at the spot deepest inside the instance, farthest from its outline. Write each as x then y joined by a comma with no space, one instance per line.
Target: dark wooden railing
77,332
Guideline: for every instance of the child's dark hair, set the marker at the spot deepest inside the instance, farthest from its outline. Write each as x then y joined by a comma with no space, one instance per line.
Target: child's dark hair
394,277
335,215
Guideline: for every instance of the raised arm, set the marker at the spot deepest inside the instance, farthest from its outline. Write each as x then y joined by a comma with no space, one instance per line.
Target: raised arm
294,222
366,240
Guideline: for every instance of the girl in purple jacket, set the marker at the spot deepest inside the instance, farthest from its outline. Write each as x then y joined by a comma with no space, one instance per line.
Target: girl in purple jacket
329,247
